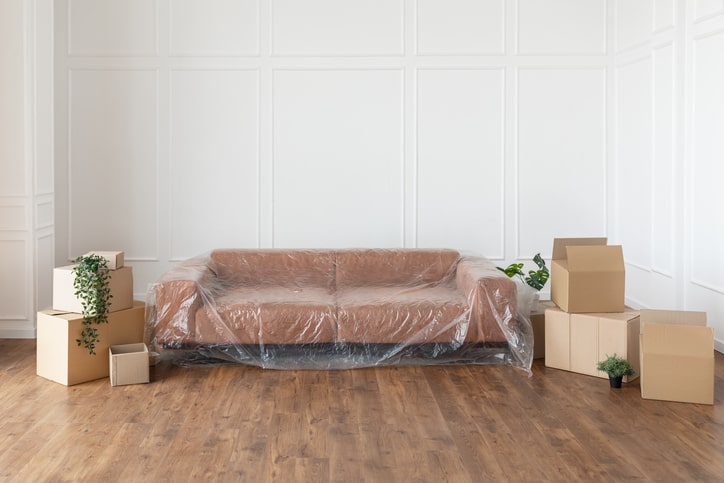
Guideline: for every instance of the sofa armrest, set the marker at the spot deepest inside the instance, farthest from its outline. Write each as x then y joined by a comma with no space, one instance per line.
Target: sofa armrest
173,301
492,298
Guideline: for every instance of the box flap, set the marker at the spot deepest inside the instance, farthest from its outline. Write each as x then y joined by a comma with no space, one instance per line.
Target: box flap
115,259
62,314
672,317
679,340
629,314
608,258
560,244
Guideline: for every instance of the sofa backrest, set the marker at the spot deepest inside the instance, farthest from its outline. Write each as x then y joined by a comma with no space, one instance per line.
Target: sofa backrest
311,268
399,266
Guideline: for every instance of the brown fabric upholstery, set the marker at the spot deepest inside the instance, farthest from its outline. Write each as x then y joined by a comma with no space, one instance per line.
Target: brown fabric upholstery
269,315
177,299
301,268
489,295
397,314
411,296
404,267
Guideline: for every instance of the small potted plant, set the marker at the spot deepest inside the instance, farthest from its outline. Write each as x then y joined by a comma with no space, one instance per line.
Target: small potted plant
616,367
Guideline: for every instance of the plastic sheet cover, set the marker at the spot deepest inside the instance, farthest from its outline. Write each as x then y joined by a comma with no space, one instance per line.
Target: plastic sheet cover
339,309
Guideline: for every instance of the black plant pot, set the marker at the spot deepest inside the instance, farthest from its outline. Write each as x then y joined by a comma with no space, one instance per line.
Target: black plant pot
615,381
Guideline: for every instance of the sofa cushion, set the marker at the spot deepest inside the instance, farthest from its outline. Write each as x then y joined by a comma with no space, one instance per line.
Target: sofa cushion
390,267
401,314
289,268
269,315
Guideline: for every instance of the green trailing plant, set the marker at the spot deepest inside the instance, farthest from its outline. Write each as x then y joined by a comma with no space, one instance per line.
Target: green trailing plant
535,278
92,287
616,366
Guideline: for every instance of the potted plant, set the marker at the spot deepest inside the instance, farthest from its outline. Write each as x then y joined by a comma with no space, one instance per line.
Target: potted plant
616,367
92,287
535,278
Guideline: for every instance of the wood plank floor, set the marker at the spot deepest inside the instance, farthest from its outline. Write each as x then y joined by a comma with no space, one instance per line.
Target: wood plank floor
462,423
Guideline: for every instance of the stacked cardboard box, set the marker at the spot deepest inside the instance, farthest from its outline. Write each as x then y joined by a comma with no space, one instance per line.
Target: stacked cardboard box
576,342
590,320
538,321
121,285
671,351
677,356
59,357
587,275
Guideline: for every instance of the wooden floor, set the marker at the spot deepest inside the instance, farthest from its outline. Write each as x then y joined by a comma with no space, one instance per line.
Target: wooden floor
462,423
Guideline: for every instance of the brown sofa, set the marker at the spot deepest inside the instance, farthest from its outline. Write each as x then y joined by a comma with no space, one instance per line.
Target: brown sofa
252,302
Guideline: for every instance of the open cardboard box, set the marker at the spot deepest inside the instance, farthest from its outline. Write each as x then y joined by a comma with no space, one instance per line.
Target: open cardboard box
60,358
577,342
587,275
677,356
128,364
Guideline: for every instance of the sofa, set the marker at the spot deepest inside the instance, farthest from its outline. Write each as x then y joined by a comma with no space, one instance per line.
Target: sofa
338,309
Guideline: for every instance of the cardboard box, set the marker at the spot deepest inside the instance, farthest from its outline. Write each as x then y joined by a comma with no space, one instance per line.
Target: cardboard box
128,364
60,358
538,321
587,275
577,342
64,297
677,356
115,259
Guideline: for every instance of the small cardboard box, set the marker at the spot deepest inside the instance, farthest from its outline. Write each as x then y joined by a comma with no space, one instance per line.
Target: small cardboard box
115,259
60,358
538,321
677,356
577,342
587,275
64,298
128,364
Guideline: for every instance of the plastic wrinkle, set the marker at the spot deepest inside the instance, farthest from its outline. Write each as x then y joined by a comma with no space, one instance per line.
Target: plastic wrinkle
339,309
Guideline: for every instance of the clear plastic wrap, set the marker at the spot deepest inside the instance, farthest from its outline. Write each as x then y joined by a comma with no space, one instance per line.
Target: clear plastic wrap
339,309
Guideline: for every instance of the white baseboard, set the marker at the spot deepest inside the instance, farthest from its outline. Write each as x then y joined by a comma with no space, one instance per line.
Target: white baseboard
15,333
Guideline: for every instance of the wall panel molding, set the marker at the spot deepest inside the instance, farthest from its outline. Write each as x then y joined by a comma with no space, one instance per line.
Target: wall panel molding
706,150
557,34
634,145
707,9
664,15
189,32
714,288
366,45
301,150
340,26
16,298
225,129
473,153
460,27
553,131
26,151
664,147
105,25
113,126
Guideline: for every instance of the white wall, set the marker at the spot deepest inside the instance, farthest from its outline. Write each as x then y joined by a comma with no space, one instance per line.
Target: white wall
490,126
26,163
669,152
188,125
